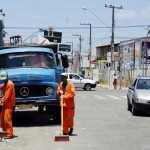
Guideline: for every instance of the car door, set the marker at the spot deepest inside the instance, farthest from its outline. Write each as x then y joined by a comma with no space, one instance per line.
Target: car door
76,80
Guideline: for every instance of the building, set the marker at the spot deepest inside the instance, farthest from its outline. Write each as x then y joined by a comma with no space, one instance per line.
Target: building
132,58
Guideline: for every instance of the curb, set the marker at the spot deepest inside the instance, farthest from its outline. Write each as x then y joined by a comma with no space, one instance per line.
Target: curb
110,87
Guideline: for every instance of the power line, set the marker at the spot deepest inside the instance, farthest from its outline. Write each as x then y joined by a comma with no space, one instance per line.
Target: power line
130,26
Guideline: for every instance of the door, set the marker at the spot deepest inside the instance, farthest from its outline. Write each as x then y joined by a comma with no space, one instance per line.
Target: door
76,80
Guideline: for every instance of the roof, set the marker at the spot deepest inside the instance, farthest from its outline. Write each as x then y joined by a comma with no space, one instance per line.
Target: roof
25,49
107,45
143,77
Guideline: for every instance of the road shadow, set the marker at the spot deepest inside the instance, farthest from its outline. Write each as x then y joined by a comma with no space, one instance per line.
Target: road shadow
73,134
85,90
32,118
143,114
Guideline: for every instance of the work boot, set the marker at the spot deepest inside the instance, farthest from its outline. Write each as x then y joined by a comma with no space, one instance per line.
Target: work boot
70,131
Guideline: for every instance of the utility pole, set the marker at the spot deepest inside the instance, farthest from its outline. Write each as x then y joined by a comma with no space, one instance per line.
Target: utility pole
79,63
71,56
112,63
112,66
1,28
90,43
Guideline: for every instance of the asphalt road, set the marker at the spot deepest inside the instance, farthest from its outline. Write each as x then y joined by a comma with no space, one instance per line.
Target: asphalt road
102,122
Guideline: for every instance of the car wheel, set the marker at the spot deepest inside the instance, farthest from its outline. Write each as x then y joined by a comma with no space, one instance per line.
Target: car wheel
129,106
134,111
87,87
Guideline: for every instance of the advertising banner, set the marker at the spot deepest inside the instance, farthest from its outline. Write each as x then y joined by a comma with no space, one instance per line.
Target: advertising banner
145,53
127,56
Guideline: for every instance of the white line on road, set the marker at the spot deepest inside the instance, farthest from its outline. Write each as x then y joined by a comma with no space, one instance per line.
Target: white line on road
99,97
111,96
124,97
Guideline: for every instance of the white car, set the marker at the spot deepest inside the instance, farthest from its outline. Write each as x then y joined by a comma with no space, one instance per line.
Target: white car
80,82
138,96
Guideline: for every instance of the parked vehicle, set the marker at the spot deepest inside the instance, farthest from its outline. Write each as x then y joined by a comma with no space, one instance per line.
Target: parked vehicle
80,82
35,72
138,96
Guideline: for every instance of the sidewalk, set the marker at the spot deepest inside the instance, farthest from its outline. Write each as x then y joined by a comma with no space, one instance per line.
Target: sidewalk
111,87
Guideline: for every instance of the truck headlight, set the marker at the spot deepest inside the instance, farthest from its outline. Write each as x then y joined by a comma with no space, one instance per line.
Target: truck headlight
49,91
142,100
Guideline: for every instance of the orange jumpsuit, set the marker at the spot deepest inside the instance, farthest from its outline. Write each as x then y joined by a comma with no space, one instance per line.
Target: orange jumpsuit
68,105
8,102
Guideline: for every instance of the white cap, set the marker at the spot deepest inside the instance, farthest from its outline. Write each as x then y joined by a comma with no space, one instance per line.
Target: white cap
64,74
3,75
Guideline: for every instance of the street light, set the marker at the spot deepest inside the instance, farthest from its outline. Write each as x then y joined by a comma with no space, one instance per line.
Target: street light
72,55
40,30
3,14
84,8
79,67
90,43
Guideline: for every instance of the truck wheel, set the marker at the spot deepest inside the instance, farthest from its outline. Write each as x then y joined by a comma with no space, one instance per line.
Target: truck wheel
57,115
87,87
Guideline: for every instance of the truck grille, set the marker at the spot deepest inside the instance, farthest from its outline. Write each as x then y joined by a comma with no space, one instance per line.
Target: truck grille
30,91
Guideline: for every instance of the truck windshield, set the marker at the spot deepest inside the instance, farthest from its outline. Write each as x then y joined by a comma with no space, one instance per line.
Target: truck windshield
26,59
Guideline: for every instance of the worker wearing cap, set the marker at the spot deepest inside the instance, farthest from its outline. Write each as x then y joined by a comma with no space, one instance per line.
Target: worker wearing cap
7,102
67,92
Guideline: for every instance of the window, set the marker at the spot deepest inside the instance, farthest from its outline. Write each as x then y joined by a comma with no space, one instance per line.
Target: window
75,77
143,84
27,59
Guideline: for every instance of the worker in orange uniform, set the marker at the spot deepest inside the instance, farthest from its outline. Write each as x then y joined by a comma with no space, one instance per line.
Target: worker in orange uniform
7,102
67,92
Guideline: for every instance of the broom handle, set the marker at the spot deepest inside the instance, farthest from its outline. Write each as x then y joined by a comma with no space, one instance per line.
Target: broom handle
62,116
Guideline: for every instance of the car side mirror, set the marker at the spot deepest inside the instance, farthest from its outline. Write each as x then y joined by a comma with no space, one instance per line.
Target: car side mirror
131,87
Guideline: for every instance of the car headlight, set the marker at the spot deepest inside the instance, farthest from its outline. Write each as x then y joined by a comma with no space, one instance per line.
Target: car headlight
49,90
142,100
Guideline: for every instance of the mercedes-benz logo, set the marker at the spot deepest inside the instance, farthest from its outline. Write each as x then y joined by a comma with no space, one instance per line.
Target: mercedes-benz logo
24,91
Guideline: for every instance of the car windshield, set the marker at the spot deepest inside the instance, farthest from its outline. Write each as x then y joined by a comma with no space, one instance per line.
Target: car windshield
143,84
26,59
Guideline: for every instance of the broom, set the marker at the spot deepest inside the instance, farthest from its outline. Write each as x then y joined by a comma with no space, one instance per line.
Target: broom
61,137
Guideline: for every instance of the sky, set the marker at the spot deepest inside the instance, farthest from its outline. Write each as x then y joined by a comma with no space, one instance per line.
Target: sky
26,17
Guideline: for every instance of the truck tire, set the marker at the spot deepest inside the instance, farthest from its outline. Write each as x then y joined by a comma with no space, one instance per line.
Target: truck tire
57,115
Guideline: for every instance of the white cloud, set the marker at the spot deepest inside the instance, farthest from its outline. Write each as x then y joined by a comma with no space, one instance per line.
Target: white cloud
143,13
126,14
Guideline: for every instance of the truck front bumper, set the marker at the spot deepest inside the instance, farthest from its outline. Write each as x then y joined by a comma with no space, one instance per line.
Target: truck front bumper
53,102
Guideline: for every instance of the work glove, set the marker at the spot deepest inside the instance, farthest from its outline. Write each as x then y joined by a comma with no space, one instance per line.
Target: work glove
61,92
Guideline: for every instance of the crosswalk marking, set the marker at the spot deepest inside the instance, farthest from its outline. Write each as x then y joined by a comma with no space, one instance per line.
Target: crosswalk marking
104,97
111,96
99,97
124,96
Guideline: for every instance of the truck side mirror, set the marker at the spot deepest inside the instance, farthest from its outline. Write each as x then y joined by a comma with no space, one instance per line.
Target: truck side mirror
65,61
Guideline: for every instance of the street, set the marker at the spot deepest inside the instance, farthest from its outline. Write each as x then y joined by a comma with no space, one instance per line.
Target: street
102,122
